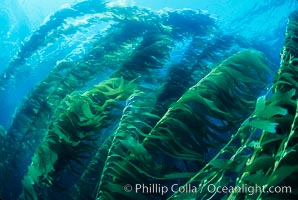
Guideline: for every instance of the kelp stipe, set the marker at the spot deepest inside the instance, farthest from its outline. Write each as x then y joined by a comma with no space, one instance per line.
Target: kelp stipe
212,106
32,118
273,163
273,154
39,37
109,50
126,143
69,133
85,187
136,46
79,115
193,66
67,76
182,137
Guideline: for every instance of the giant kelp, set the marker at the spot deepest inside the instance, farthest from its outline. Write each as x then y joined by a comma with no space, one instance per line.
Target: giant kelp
66,77
274,157
30,122
39,37
182,137
126,140
193,66
272,165
81,115
77,123
167,130
108,52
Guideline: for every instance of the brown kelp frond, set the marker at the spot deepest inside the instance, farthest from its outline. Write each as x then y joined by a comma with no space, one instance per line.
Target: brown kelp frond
126,143
79,115
110,49
193,22
31,120
232,158
212,101
150,55
89,111
130,58
41,36
270,133
194,65
287,73
280,148
192,126
73,125
85,187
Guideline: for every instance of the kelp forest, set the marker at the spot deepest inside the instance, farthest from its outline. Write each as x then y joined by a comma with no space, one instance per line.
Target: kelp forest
154,99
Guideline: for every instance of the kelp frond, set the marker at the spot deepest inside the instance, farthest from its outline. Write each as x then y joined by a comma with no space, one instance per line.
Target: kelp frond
73,125
190,138
126,142
270,133
192,126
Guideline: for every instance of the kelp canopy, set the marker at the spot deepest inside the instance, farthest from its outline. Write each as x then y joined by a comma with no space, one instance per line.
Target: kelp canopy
155,98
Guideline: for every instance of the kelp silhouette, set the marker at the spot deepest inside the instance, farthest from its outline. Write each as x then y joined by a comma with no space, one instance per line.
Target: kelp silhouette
141,124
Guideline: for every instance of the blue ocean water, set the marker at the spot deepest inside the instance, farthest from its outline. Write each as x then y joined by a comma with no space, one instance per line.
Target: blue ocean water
260,23
36,37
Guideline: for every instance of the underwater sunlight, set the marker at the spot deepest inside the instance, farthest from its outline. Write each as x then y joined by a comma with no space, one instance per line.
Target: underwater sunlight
136,99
